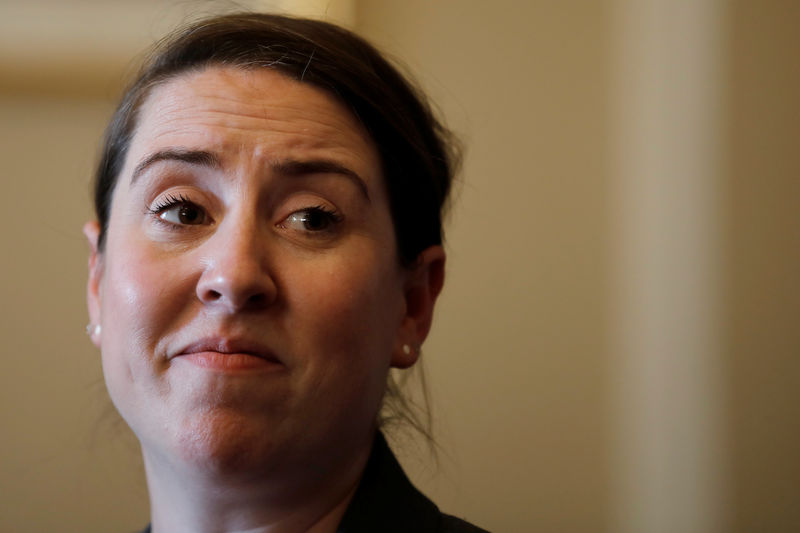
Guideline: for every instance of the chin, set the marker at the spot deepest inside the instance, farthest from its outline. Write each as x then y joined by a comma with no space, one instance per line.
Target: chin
225,443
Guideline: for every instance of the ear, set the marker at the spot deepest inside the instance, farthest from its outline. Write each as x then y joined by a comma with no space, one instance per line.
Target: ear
423,284
93,294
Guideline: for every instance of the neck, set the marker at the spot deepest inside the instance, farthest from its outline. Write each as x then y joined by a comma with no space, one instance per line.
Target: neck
186,499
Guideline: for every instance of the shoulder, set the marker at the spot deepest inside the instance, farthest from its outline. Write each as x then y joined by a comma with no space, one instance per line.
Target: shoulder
451,524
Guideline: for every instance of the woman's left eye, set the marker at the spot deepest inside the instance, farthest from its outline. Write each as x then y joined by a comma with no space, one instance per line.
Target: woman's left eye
312,220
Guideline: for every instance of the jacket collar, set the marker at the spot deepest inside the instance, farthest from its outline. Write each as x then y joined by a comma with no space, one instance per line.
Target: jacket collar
386,500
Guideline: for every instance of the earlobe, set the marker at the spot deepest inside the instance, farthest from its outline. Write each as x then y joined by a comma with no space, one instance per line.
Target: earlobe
93,294
423,285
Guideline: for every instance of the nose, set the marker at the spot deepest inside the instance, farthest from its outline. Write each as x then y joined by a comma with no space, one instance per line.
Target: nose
236,275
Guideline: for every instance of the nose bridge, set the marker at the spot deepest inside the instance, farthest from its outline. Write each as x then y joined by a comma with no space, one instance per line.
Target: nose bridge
235,263
238,244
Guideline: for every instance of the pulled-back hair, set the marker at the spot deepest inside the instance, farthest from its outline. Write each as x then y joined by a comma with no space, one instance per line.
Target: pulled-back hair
417,154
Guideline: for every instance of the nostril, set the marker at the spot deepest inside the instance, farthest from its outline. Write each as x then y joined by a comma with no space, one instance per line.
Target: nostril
213,295
257,300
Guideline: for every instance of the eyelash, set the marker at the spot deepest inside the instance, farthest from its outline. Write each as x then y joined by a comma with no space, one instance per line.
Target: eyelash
169,201
333,217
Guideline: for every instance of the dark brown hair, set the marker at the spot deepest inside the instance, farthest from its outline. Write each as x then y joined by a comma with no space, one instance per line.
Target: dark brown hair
417,153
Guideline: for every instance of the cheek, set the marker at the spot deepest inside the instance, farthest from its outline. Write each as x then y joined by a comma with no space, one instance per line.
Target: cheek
140,292
139,282
344,323
349,313
141,299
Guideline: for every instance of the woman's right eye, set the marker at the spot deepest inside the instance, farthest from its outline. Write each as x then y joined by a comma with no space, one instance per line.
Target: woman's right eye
179,211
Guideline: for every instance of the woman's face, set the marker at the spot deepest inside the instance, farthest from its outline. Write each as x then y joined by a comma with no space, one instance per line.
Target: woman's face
249,293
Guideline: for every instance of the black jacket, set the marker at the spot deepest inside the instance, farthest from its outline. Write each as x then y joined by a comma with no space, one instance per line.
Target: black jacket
387,502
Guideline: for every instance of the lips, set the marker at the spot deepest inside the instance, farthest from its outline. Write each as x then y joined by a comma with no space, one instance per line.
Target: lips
222,353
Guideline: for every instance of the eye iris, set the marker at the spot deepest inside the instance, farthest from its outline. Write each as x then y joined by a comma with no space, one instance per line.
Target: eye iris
189,214
314,220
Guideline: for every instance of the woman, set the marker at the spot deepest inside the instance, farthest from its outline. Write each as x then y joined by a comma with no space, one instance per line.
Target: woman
267,247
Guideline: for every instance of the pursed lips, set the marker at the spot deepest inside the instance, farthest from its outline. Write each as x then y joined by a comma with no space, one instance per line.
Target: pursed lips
229,346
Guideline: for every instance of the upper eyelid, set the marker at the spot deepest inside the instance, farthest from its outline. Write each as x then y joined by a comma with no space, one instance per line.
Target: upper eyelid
164,196
170,200
159,182
278,209
332,212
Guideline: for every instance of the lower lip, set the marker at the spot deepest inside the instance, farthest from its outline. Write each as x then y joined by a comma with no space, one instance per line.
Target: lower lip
230,362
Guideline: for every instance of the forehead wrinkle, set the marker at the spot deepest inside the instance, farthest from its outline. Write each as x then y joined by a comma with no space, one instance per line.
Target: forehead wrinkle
226,143
289,134
272,118
207,113
323,106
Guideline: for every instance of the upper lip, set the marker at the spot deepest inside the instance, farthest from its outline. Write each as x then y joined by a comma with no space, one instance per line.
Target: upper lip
229,345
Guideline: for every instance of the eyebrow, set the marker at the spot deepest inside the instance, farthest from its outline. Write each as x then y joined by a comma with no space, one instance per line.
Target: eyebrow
288,167
291,167
193,157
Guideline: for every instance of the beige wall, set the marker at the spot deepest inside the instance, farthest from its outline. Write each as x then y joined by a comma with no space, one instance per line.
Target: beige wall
518,356
64,465
549,415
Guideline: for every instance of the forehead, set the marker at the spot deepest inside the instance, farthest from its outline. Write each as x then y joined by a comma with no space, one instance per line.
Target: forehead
259,111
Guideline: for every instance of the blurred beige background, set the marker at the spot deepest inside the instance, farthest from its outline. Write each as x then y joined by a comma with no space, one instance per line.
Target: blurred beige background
617,348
